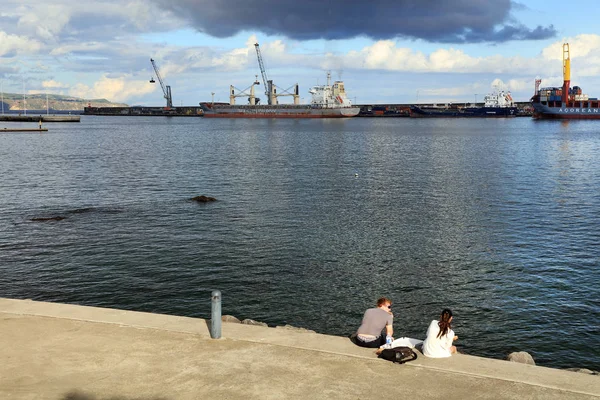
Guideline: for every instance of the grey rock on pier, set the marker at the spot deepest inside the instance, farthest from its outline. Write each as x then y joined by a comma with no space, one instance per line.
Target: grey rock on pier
295,328
522,357
230,318
248,321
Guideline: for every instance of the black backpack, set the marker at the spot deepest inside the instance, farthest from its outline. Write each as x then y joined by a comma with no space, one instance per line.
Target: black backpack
398,355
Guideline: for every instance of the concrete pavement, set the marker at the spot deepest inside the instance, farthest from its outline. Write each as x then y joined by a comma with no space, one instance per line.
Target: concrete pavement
68,352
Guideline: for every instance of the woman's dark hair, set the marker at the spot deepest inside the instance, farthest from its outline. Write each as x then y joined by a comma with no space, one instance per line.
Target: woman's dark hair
444,323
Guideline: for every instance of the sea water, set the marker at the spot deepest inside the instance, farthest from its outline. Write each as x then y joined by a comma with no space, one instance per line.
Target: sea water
497,219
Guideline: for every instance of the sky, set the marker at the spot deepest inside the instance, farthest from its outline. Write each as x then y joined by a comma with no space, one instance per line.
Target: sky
385,51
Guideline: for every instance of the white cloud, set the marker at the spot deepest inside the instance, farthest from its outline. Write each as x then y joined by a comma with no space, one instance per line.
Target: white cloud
114,89
385,55
580,46
88,47
52,84
178,62
448,91
519,85
584,52
45,20
17,44
87,20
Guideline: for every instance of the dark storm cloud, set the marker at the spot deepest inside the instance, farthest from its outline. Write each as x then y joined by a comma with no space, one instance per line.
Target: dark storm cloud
450,21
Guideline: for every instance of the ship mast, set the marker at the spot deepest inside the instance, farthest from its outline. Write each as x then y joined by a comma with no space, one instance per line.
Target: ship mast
566,74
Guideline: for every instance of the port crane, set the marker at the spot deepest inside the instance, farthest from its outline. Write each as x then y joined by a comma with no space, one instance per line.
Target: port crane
165,88
268,84
270,88
249,92
566,74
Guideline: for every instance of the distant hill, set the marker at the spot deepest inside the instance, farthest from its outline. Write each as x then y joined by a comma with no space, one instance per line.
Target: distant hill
14,102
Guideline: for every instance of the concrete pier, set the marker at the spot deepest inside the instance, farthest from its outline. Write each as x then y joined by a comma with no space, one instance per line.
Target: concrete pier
68,352
23,130
37,117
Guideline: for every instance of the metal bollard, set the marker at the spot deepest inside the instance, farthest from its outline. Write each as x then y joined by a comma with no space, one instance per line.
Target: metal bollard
215,316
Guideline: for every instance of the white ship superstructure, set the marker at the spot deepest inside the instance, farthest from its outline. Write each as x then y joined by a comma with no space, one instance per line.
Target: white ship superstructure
330,96
498,99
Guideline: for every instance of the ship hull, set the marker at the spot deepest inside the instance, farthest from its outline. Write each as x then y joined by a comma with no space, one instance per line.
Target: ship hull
279,111
469,112
543,111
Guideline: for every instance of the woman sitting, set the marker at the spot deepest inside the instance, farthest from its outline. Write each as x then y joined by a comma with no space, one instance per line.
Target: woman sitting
369,333
440,337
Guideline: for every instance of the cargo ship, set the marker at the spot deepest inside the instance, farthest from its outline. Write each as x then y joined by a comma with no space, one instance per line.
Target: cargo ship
328,101
498,104
564,102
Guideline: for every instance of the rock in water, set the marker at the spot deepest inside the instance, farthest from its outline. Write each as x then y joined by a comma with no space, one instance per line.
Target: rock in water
253,322
44,219
230,318
203,199
522,357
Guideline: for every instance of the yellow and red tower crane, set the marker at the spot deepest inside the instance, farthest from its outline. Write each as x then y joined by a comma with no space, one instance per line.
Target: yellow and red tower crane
566,74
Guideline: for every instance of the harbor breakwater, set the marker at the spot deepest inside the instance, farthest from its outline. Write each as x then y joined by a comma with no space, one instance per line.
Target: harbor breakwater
39,117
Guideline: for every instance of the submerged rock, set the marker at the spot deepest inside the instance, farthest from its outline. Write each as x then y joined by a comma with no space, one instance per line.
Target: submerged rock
82,210
44,219
253,322
102,210
230,318
522,357
295,328
203,199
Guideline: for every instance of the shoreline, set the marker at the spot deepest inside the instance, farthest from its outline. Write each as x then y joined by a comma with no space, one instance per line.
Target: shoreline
70,343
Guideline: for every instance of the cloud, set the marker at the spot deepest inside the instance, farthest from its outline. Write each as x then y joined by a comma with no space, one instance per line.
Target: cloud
385,55
118,89
11,45
177,61
475,91
98,20
584,52
45,21
579,46
52,84
87,47
519,85
451,21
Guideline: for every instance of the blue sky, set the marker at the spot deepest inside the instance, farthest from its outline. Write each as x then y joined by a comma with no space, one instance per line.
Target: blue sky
385,51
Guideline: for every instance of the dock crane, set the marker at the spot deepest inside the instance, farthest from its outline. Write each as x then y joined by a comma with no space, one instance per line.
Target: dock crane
268,83
566,74
165,88
249,92
270,88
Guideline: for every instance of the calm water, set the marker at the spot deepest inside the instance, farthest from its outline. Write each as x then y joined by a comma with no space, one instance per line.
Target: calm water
497,219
